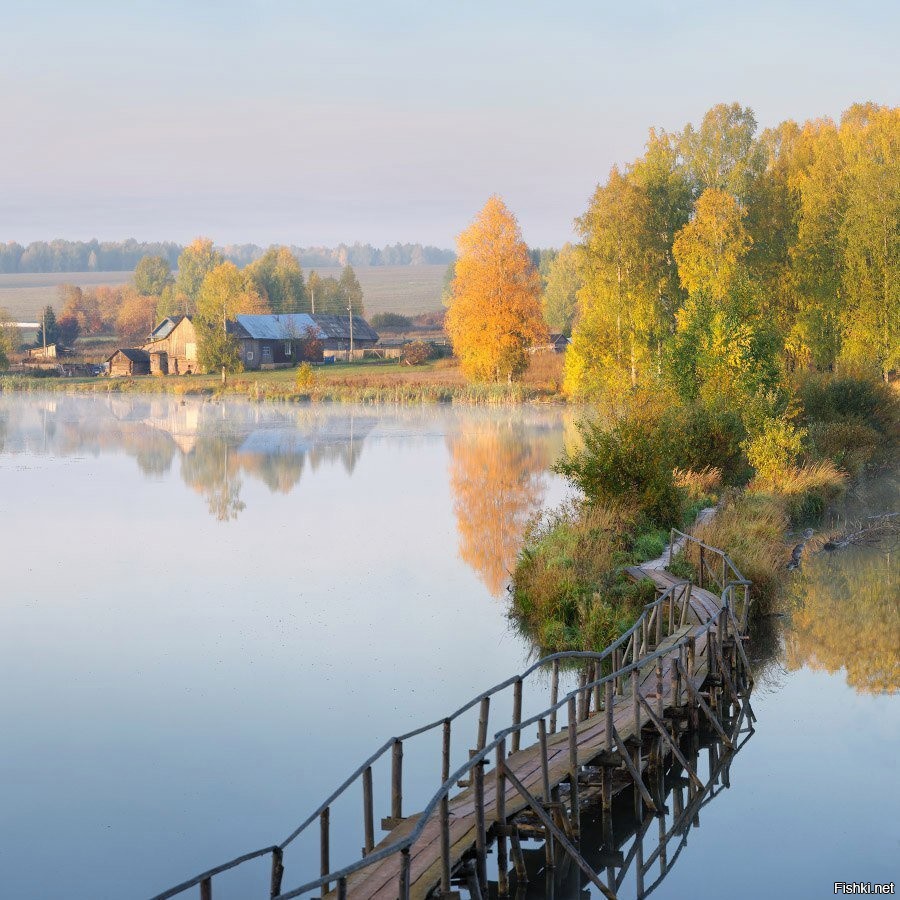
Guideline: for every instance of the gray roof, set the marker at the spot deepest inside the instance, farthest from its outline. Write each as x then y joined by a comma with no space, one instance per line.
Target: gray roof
285,326
338,327
133,354
165,328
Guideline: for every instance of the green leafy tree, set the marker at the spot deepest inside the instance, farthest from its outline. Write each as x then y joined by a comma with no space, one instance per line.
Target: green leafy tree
152,276
226,292
351,292
278,276
9,335
560,298
197,260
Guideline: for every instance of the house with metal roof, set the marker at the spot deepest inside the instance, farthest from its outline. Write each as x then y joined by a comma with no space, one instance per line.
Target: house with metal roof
282,339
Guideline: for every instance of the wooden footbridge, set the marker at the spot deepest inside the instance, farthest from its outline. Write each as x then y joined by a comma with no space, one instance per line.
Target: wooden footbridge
681,665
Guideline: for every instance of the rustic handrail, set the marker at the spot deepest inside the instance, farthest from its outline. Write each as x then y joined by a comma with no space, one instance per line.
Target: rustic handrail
483,755
636,640
467,767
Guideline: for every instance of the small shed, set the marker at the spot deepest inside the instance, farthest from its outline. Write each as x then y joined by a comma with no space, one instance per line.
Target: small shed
129,361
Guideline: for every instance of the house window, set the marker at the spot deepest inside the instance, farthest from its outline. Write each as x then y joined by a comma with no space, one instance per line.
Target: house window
249,356
287,348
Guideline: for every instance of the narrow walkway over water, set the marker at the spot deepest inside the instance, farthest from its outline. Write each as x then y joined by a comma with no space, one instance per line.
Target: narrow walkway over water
681,664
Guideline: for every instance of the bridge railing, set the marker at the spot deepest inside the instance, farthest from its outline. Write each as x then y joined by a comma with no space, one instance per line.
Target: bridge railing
715,568
633,650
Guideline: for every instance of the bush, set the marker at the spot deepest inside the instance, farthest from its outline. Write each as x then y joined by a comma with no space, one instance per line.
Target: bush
416,353
775,448
849,445
629,464
806,490
706,436
388,321
305,379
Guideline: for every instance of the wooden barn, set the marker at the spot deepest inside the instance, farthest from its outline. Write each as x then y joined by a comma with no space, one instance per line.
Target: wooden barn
174,344
129,361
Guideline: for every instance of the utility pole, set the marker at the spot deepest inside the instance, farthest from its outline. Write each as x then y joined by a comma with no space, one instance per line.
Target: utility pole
312,293
350,308
44,330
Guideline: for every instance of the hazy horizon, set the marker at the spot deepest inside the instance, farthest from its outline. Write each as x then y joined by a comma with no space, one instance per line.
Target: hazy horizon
265,122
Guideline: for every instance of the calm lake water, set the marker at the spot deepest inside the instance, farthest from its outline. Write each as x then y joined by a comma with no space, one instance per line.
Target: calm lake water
212,613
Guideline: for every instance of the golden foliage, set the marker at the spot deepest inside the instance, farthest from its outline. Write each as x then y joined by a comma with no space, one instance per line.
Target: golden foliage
495,307
710,247
847,617
495,476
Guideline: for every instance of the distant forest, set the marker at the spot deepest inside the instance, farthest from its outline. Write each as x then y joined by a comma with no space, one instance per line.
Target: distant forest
123,256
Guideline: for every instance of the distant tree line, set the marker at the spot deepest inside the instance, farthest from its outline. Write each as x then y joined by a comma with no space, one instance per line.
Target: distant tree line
123,256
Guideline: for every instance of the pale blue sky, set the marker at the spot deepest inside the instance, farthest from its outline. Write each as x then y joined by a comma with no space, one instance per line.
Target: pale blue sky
315,123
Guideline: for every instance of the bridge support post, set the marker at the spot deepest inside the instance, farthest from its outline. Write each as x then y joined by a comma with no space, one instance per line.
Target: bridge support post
545,772
397,780
517,714
480,832
502,857
573,768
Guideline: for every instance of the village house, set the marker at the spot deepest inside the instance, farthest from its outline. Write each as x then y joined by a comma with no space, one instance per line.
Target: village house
172,346
273,341
129,361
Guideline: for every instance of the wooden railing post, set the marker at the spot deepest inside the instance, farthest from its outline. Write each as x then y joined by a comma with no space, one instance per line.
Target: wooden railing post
445,845
659,618
480,831
445,755
671,545
617,666
700,572
404,874
609,705
368,812
277,872
325,865
660,700
554,694
598,671
397,780
517,714
206,889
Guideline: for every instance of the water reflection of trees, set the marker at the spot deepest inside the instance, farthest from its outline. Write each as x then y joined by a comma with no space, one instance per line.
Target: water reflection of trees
496,470
847,616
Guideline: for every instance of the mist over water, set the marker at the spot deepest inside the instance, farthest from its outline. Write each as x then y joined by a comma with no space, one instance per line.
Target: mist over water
212,613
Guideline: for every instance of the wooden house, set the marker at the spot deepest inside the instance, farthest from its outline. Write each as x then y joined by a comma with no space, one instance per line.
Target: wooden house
172,346
129,361
274,341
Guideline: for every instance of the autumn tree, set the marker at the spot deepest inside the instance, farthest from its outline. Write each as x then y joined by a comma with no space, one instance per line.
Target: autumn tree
277,276
710,248
560,300
723,153
225,293
495,312
136,316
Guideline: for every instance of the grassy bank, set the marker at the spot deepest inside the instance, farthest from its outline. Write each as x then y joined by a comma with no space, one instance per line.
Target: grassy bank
439,381
640,474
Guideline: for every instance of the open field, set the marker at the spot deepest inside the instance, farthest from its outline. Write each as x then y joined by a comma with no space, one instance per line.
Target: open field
402,289
24,295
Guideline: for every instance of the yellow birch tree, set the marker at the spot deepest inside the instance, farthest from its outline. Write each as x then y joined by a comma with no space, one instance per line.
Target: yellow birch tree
495,305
